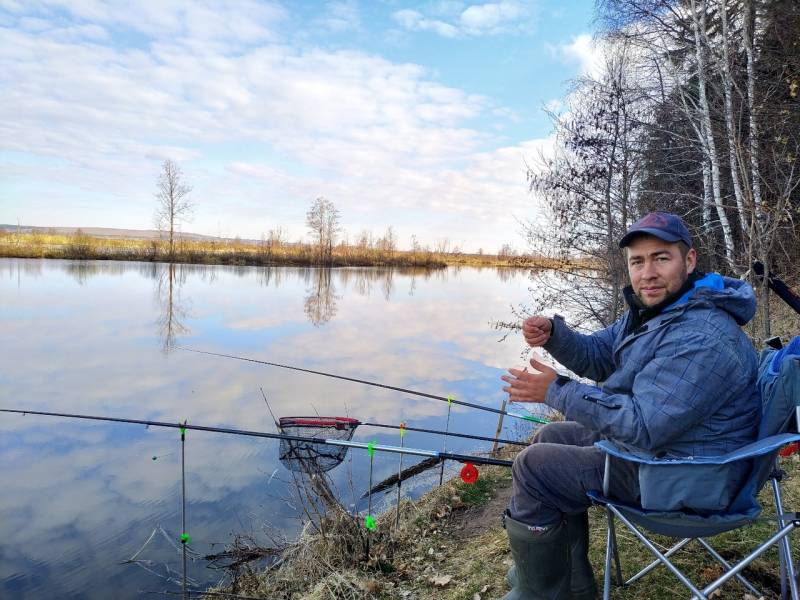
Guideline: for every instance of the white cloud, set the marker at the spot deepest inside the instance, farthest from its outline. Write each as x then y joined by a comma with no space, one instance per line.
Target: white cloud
235,21
342,16
583,50
375,136
452,19
416,21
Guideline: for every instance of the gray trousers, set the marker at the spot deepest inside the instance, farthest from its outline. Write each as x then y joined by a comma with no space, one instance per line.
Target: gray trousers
553,474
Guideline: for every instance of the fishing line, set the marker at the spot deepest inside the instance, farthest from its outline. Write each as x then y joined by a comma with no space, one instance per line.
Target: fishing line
374,384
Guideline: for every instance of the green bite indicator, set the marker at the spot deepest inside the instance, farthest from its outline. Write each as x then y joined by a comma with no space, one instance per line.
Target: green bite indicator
535,419
369,523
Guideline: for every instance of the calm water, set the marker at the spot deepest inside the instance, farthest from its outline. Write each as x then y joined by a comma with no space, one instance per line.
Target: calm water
81,498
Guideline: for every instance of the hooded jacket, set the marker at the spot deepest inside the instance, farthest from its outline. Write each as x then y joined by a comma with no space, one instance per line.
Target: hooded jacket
683,384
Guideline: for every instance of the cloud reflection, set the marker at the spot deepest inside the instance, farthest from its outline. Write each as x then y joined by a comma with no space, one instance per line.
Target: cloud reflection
93,492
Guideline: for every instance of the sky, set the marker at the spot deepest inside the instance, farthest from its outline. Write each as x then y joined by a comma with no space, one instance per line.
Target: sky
422,116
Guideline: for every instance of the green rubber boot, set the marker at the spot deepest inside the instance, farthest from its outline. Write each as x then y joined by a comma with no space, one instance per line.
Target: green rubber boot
582,583
542,560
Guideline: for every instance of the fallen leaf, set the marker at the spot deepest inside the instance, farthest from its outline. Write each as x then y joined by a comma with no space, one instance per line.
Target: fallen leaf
371,586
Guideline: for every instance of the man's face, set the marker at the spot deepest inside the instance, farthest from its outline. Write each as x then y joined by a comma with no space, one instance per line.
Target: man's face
657,268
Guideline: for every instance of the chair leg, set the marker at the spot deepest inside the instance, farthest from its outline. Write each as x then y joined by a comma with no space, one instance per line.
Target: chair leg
784,549
775,540
613,537
658,554
610,540
612,557
783,573
728,566
657,563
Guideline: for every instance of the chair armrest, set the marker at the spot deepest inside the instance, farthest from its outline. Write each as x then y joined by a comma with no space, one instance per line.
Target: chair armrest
752,450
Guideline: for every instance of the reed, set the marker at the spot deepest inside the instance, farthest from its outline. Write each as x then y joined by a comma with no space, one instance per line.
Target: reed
81,246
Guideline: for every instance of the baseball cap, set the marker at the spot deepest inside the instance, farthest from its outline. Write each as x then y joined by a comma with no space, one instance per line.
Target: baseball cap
665,226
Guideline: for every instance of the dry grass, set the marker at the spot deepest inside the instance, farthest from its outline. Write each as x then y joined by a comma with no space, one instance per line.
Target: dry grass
236,252
450,546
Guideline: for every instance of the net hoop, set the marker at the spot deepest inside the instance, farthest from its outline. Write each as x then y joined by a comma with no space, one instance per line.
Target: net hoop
310,457
337,422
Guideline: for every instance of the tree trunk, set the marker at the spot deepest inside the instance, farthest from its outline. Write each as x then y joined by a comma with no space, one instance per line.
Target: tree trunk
699,24
749,36
730,124
171,234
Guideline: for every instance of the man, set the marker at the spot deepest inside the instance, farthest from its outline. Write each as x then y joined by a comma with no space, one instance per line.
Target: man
678,379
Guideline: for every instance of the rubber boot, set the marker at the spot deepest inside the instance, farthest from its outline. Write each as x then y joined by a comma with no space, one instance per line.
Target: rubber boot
582,583
542,561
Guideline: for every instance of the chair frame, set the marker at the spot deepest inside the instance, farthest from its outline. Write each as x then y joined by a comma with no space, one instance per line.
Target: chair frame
786,524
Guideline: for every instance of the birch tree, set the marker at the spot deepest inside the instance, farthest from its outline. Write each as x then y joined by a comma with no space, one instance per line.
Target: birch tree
174,205
699,26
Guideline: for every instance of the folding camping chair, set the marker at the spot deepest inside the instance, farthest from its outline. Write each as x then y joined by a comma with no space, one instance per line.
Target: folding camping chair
780,391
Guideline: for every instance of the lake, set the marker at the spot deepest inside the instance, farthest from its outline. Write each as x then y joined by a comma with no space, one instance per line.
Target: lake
80,498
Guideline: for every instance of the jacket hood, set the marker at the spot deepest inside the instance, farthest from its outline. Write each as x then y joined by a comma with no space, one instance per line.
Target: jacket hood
734,296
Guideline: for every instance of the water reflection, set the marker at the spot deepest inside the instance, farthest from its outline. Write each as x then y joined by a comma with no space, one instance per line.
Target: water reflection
320,304
172,306
83,270
84,341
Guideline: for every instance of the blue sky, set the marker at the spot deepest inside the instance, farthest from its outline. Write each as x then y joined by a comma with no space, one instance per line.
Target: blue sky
416,115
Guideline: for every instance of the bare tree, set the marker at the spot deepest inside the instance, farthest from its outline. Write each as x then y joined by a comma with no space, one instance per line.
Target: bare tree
174,205
323,221
320,304
589,187
172,307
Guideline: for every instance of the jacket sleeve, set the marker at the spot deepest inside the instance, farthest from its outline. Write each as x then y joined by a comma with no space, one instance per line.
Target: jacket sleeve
590,356
691,375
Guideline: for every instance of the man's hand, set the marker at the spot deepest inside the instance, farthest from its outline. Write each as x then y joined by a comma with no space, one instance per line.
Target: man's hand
537,330
529,387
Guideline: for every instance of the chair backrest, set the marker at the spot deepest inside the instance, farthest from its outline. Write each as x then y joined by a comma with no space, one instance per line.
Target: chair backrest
779,385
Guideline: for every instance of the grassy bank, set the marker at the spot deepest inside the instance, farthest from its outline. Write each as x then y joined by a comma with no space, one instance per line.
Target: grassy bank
450,546
81,246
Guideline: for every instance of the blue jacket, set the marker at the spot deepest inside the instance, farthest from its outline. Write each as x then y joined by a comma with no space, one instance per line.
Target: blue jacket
681,385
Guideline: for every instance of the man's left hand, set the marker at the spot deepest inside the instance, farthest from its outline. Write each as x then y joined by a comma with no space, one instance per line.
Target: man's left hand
524,386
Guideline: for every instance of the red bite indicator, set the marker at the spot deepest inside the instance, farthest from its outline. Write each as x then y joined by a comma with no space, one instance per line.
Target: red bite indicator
469,474
789,449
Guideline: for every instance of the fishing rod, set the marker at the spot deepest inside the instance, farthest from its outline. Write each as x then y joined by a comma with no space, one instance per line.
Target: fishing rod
777,285
404,428
450,399
462,458
468,436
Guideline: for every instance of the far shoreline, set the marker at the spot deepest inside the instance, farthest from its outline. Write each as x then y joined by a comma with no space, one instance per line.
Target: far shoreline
81,246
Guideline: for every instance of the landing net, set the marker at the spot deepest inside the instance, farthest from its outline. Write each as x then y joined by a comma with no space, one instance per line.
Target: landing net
309,456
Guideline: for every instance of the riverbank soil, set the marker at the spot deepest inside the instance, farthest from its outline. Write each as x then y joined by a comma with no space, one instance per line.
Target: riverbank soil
450,545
